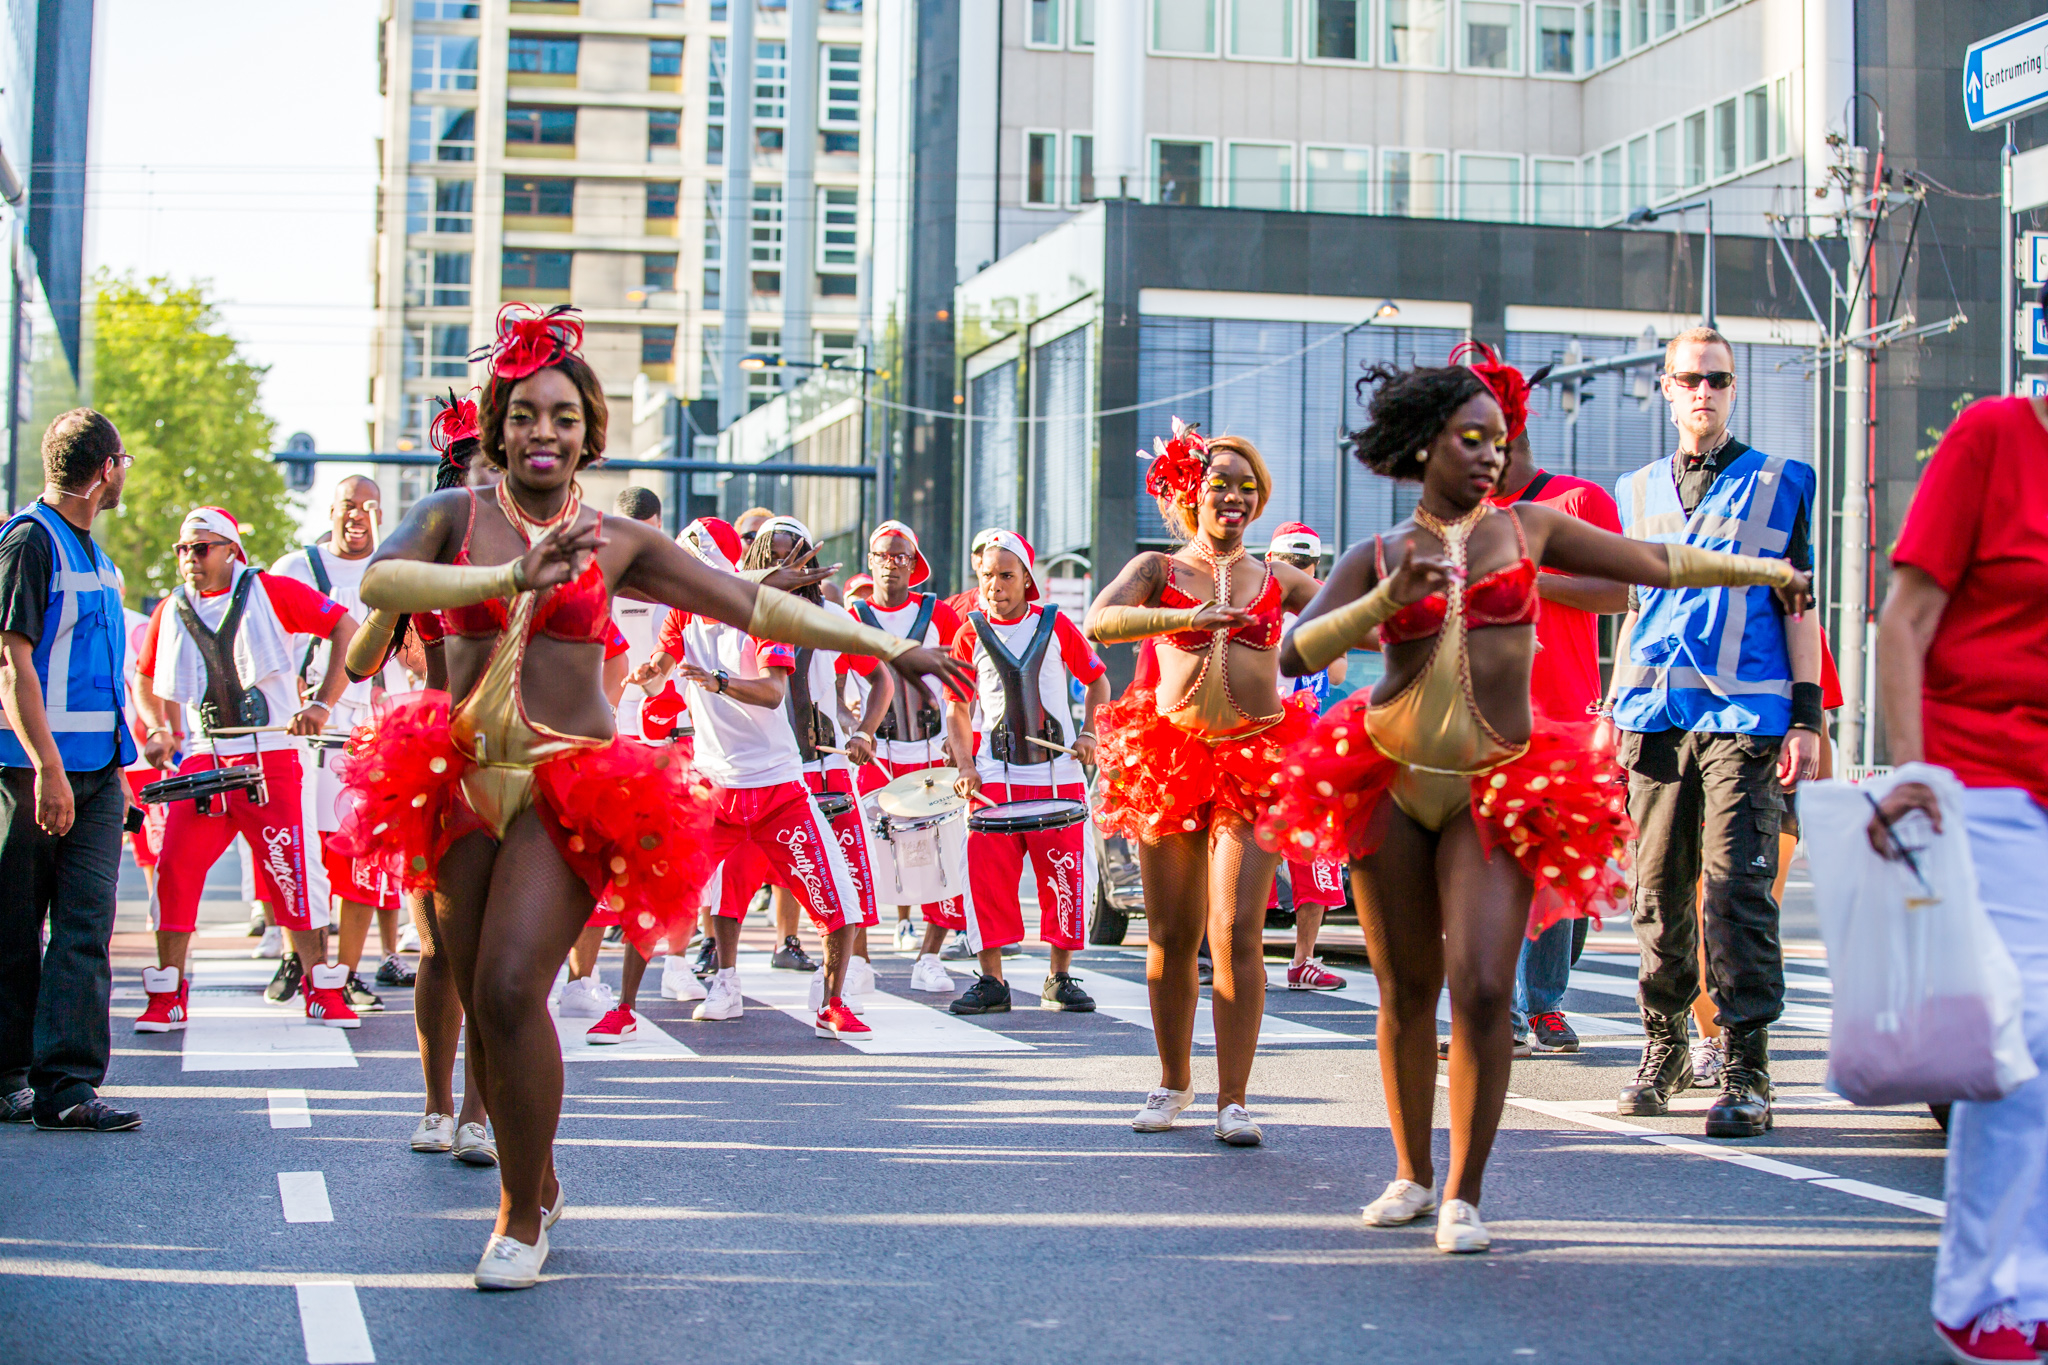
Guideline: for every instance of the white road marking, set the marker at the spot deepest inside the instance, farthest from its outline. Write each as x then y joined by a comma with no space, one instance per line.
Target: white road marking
1813,1018
305,1197
1131,1002
649,1043
226,1035
1363,985
288,1109
331,1320
901,1025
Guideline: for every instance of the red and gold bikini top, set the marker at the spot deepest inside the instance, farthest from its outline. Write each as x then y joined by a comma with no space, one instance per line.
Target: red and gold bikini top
1262,632
1505,597
578,612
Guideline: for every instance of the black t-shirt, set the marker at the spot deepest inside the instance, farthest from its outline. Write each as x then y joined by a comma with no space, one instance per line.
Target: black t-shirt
27,564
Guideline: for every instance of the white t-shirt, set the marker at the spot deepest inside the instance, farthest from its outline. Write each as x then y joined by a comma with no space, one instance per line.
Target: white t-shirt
738,745
345,577
938,634
637,621
1067,655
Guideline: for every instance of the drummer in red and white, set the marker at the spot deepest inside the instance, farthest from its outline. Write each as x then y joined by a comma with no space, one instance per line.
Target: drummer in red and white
220,646
1317,886
912,733
1023,655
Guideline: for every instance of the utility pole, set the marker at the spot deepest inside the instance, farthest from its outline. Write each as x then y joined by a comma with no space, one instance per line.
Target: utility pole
739,206
1851,635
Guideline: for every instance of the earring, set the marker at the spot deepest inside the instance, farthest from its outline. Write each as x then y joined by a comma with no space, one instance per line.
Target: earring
1422,457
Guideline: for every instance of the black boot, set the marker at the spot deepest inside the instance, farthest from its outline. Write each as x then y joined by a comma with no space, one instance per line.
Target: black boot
1743,1108
1666,1068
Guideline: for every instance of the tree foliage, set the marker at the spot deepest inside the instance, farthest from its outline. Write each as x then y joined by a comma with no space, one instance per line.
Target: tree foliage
186,403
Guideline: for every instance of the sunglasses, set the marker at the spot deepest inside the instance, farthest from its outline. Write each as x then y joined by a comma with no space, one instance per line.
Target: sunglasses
1714,379
198,549
897,561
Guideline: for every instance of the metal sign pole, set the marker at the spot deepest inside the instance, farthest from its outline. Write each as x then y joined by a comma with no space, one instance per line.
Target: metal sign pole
2009,264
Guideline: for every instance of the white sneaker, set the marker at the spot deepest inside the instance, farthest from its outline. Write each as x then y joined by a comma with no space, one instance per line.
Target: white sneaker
678,982
1708,1056
907,936
409,938
1458,1229
509,1263
550,1217
817,993
722,1000
860,978
1234,1126
436,1133
1402,1201
930,974
1162,1107
272,945
586,998
474,1146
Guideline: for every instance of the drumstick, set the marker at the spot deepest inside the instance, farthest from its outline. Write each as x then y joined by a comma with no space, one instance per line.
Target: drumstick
983,799
230,730
1046,743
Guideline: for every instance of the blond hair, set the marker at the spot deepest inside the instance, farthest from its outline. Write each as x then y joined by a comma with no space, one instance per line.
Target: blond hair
1706,336
1180,518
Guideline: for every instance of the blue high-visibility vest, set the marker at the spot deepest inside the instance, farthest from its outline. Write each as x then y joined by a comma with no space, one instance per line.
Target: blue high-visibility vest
80,658
1712,658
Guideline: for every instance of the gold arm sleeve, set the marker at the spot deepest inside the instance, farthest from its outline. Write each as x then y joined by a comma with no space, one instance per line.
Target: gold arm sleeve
756,575
1323,641
1692,567
1120,625
780,616
367,647
413,585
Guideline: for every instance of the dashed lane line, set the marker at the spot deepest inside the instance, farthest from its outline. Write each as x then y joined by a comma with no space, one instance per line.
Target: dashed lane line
331,1320
288,1109
304,1194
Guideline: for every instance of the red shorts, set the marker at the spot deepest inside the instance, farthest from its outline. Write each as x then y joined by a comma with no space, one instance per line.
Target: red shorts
853,839
1064,860
148,841
276,833
775,834
950,913
1317,883
358,880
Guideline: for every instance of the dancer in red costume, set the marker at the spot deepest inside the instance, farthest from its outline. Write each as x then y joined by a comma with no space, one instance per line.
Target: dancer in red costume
518,800
1188,755
1456,807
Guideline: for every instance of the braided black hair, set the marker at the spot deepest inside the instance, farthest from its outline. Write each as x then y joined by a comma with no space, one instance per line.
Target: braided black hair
1407,409
454,467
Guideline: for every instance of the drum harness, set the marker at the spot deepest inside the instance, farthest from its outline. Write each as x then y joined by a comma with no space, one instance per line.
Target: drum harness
1022,704
227,701
897,724
812,726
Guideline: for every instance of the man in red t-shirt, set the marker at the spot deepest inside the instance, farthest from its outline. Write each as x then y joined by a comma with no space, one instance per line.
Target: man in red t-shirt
1962,668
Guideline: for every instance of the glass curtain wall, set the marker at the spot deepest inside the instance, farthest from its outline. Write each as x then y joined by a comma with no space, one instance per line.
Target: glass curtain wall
993,476
1061,455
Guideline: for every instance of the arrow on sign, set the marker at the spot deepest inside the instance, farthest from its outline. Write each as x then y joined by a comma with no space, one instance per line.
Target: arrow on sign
1976,90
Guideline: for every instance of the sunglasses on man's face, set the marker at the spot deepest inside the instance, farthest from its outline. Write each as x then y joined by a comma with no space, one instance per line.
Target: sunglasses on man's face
198,549
888,560
1692,379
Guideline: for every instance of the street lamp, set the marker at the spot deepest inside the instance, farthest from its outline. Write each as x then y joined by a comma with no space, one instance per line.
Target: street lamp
1644,214
1388,309
761,361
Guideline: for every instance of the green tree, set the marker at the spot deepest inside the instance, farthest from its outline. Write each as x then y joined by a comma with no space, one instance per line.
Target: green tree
186,403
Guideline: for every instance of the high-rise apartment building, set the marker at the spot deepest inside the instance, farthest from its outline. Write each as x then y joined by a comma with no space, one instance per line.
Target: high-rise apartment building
575,151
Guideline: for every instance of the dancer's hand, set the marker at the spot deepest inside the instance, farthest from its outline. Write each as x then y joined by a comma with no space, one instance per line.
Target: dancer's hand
794,575
1419,576
926,662
1798,598
1219,616
558,558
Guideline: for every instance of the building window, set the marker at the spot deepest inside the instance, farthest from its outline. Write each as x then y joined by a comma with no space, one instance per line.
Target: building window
662,196
714,279
1490,188
840,144
441,133
1187,27
664,127
1181,171
1556,192
1756,126
665,57
1415,33
445,9
1695,10
658,272
526,270
540,125
1042,23
767,139
419,202
714,224
1638,171
1262,29
835,348
442,61
454,206
763,385
444,282
838,228
840,105
1343,30
447,350
1261,175
711,367
1412,184
842,6
1081,168
1492,37
1724,139
1556,39
714,81
1083,32
1041,168
657,345
1610,185
764,229
1781,114
714,145
1339,180
1638,24
529,54
1667,18
838,286
1610,31
539,198
1667,162
771,81
1695,150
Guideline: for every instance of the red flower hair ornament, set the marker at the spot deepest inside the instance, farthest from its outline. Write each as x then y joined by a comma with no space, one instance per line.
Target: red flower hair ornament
453,424
529,340
1502,380
1177,464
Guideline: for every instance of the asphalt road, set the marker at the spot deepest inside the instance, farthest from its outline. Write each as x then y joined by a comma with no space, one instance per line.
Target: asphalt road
761,1195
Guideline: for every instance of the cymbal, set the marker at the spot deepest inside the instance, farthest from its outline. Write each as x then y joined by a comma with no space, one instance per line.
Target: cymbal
916,795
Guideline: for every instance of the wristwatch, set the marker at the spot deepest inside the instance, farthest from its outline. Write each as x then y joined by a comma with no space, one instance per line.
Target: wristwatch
721,676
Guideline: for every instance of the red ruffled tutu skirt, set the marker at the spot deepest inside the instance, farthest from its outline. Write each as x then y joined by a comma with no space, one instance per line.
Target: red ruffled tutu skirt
1159,779
629,819
1560,808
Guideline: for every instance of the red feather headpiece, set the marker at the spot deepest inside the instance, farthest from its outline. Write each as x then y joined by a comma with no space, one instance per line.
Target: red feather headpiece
1177,464
528,340
453,424
1502,380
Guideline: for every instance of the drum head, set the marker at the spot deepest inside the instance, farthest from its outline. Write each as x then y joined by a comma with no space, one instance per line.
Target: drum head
832,805
917,795
1028,817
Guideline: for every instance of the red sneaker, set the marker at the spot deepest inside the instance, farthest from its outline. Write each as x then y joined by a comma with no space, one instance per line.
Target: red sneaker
325,1001
836,1020
1312,976
1995,1336
617,1025
169,1001
2041,1337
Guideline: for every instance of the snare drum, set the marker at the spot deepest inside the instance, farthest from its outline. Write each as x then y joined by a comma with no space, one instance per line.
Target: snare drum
919,859
832,805
207,786
1027,817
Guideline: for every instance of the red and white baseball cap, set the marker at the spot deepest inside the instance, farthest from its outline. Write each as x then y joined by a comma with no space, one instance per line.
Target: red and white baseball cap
714,540
217,520
919,571
994,539
859,583
1296,539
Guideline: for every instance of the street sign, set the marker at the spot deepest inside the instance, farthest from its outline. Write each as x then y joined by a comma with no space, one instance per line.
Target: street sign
2032,265
2031,386
2006,75
2033,333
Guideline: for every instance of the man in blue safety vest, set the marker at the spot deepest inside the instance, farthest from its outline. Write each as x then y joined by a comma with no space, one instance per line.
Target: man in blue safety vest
1718,704
62,796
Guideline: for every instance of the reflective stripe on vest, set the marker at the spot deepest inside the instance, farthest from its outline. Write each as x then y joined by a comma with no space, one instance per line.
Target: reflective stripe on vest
80,657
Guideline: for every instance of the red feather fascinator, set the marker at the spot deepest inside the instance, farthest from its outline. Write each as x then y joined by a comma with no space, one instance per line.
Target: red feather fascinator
453,424
1502,380
528,340
1177,464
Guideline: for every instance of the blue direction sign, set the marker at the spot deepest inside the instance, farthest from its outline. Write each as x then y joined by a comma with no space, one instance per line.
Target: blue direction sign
2033,333
2006,75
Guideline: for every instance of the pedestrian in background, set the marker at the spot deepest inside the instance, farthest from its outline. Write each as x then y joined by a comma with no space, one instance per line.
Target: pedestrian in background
62,796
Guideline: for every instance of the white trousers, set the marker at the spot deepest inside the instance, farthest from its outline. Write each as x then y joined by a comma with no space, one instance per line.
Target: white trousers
1994,1244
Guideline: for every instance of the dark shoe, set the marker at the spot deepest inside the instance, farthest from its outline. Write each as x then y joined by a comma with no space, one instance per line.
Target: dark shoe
361,998
393,972
258,922
956,949
1062,992
1665,1070
94,1116
1743,1108
1523,1048
791,957
1552,1033
284,987
988,995
18,1107
1205,972
707,958
615,934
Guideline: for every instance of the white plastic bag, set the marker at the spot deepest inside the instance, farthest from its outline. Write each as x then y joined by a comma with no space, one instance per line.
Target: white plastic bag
1926,998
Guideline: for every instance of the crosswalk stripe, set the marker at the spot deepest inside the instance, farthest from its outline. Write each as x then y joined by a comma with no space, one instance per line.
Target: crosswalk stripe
649,1043
1131,1002
304,1194
901,1025
331,1320
225,1035
288,1109
1367,989
1816,1018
